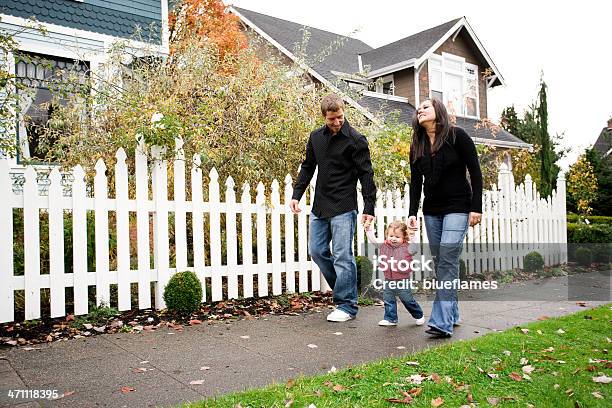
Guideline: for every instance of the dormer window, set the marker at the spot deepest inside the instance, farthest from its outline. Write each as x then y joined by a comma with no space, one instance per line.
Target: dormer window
385,85
454,82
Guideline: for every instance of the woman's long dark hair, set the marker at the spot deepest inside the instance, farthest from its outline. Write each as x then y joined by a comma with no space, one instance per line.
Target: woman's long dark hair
419,135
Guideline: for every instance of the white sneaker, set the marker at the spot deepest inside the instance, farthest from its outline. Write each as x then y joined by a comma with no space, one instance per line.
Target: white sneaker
339,316
420,322
387,323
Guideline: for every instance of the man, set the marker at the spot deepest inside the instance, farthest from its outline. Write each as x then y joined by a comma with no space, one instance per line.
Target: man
343,156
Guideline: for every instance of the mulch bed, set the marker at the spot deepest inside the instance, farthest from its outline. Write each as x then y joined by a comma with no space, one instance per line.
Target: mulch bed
48,330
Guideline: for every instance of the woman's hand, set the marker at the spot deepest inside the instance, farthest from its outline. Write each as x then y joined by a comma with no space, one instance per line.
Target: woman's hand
412,222
475,218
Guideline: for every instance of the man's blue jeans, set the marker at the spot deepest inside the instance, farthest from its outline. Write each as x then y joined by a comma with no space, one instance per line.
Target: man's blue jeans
338,264
405,296
446,234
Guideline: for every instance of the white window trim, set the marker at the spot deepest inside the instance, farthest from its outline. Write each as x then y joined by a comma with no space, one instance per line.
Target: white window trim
384,80
462,73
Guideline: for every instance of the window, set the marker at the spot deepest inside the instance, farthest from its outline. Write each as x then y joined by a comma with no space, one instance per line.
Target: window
385,85
454,82
41,76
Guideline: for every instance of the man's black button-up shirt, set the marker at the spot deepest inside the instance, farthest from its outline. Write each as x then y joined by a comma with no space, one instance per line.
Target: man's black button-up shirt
342,159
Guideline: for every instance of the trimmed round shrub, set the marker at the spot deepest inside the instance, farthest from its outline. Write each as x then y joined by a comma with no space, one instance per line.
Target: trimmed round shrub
183,293
365,270
584,256
533,261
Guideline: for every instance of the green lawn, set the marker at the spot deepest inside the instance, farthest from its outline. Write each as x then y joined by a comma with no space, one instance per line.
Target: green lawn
561,357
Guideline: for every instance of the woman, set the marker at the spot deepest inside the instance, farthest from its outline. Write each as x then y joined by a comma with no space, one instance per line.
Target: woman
439,156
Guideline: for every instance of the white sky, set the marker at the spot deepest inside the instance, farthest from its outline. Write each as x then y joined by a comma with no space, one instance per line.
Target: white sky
571,41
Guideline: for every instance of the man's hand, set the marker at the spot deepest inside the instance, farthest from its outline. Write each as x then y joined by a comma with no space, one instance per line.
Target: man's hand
475,218
366,220
295,206
412,222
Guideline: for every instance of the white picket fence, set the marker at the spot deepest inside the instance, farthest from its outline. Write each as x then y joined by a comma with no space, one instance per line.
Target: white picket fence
513,215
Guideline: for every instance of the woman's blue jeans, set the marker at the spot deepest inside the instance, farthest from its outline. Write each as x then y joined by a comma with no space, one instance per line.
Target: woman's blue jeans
446,234
338,265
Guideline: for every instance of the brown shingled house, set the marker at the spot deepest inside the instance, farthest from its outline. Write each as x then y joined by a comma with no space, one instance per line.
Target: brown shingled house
448,62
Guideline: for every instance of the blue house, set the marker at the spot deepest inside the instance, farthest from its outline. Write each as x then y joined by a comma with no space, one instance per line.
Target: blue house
78,35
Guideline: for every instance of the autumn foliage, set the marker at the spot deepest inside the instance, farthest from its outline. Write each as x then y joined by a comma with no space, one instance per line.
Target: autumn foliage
208,20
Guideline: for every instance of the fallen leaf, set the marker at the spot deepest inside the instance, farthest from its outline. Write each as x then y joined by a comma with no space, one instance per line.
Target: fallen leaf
436,402
436,378
339,387
412,363
576,371
561,331
193,322
528,369
290,383
127,389
548,350
525,331
493,401
312,346
480,370
473,349
524,361
401,347
358,376
66,394
144,362
543,318
415,391
597,395
493,375
527,377
70,318
515,376
406,400
540,332
602,379
288,403
139,370
332,370
338,333
507,352
569,392
470,398
556,386
581,304
196,382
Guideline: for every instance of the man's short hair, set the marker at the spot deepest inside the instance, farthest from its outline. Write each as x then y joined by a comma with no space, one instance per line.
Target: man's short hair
331,102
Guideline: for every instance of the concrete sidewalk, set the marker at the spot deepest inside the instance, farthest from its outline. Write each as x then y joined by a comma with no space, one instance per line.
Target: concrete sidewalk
254,353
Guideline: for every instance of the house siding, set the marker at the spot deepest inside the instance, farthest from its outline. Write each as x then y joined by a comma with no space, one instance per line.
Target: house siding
53,41
464,47
404,84
117,18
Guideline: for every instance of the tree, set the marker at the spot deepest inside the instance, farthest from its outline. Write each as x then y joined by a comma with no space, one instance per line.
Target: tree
582,184
209,21
602,168
533,128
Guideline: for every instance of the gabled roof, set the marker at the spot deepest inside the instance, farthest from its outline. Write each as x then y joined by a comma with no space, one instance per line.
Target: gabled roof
603,144
413,47
342,58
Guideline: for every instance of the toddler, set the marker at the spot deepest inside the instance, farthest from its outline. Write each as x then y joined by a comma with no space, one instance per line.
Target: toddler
400,244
